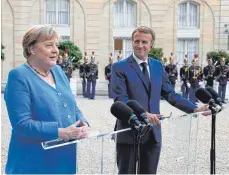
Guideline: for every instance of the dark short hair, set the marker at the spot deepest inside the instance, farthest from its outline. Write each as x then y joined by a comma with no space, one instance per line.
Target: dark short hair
145,30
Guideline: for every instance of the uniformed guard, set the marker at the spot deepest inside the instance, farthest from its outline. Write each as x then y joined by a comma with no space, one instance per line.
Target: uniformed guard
184,73
59,60
108,75
92,76
209,71
162,60
196,58
66,65
195,76
119,57
222,76
171,69
82,72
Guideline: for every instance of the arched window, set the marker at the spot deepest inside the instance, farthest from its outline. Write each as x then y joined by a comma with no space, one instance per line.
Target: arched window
57,12
125,13
189,15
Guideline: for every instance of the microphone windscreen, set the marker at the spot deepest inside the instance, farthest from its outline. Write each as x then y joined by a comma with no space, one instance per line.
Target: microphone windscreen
213,93
203,95
136,107
121,111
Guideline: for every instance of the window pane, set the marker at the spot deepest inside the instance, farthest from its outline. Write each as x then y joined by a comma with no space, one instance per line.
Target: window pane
63,13
131,15
193,13
128,48
180,50
50,5
50,11
63,5
124,14
182,15
51,17
63,17
192,48
118,16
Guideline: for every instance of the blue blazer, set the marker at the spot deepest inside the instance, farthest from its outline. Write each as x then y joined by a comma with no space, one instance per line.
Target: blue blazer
36,111
128,83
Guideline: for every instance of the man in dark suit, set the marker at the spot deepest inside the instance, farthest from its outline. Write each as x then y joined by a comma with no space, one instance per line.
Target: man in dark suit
143,79
108,75
171,69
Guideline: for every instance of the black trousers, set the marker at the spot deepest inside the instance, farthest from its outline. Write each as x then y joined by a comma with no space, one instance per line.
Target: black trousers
149,158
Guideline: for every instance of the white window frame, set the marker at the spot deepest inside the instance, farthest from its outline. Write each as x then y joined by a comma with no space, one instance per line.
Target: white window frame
57,13
125,14
124,48
190,57
188,15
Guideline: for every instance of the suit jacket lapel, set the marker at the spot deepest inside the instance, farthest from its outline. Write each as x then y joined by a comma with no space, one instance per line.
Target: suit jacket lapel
153,72
137,69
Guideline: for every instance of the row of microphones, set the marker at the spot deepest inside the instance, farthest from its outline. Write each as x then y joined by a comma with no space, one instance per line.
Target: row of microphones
139,111
211,97
124,113
133,113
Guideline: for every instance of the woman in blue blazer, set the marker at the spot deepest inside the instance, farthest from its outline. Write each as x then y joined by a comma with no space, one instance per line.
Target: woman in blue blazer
41,107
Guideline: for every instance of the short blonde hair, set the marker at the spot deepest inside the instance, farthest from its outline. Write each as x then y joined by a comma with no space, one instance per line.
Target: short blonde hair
36,34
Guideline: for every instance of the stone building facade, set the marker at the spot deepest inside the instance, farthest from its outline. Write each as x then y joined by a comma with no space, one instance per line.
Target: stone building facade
105,26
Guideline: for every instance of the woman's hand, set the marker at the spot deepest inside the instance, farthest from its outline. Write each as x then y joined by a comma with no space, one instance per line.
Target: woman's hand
74,131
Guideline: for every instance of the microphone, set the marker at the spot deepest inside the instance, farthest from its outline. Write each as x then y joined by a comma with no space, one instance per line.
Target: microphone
215,95
139,111
205,97
124,113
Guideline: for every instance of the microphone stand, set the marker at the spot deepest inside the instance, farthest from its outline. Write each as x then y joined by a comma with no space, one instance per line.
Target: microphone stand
212,151
137,136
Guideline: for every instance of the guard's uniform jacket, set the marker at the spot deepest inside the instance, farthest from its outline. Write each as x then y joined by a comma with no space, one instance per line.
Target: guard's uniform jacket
209,75
67,68
171,69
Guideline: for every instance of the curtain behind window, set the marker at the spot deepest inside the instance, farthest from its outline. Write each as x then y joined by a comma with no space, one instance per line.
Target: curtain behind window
183,15
57,12
50,11
63,12
192,48
187,46
125,14
128,48
188,15
180,50
193,13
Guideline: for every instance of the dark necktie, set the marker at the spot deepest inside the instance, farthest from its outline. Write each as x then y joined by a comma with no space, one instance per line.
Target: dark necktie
145,73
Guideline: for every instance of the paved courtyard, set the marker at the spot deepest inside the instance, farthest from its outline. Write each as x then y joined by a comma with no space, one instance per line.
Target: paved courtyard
186,140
